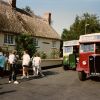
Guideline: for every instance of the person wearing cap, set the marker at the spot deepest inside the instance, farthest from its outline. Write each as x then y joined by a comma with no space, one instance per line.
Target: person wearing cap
12,64
2,64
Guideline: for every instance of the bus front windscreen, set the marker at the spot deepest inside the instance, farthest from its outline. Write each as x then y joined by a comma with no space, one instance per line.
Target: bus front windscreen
87,47
68,49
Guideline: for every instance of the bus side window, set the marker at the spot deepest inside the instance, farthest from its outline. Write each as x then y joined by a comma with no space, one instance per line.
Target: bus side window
98,48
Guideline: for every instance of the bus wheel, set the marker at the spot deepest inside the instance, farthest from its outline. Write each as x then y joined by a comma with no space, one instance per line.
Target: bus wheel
65,67
82,76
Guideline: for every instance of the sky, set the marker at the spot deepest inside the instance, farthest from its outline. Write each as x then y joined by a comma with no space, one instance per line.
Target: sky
63,11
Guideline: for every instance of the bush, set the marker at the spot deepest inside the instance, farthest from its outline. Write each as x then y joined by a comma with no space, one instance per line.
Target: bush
55,53
43,55
26,43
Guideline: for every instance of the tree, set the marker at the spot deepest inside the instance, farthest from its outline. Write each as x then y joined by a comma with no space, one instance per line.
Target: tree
25,42
64,36
78,27
28,9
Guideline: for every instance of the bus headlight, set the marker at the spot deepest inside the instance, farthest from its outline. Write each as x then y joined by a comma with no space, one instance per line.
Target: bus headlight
77,59
84,62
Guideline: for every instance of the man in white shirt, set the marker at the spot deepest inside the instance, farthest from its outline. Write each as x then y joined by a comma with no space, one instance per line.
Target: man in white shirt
12,70
25,64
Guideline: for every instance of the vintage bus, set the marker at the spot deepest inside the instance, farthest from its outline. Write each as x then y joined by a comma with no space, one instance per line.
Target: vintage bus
89,56
70,53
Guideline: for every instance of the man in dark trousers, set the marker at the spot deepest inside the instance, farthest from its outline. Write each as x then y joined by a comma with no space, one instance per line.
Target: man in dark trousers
12,64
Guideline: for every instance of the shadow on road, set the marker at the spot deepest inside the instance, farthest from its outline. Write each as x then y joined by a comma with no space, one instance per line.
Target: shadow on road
46,74
4,83
5,92
97,79
0,87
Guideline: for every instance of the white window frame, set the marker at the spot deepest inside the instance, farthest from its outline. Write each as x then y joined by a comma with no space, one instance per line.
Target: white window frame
54,44
35,40
9,39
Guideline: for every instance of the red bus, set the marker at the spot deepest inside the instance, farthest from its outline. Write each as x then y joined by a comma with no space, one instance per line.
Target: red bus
89,56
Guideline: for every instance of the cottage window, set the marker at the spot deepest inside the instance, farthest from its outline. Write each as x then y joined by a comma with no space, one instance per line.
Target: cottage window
35,41
9,39
53,44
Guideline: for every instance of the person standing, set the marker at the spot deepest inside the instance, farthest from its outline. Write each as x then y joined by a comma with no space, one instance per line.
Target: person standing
2,64
12,67
6,61
36,65
25,64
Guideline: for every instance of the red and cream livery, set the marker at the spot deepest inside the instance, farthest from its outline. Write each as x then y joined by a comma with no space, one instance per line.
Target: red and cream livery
89,56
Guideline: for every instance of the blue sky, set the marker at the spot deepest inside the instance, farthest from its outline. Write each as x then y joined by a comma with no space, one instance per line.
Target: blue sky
63,11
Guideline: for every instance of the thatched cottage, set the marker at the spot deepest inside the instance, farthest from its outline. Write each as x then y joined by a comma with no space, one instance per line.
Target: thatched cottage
14,21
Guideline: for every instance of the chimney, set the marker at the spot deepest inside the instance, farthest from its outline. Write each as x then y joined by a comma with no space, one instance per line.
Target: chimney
47,17
12,3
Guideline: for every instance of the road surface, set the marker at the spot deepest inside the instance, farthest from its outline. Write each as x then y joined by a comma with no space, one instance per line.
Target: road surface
56,85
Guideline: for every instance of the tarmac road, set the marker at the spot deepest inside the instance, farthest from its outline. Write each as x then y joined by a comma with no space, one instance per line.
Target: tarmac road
56,85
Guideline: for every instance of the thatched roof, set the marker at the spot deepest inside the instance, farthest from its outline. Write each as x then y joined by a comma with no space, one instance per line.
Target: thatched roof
19,21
